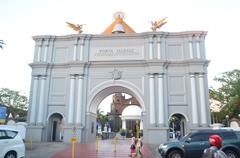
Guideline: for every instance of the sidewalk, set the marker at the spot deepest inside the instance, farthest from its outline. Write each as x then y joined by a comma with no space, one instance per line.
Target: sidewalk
106,150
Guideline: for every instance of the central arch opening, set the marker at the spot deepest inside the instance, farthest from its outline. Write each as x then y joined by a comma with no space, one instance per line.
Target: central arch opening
116,111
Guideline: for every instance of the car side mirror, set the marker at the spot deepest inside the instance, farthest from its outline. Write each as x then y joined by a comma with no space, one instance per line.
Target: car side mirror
188,140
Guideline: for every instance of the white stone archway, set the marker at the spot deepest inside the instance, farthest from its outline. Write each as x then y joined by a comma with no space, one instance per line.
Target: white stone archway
165,72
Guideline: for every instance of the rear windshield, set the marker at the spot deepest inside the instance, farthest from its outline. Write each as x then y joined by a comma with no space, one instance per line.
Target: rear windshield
7,134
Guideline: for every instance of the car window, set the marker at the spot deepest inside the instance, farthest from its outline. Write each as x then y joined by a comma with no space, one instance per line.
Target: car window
3,134
7,134
229,135
197,137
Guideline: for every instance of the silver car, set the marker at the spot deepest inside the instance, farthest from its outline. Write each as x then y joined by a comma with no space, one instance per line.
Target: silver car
11,143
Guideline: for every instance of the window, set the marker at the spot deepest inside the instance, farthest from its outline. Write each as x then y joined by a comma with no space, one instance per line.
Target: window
6,134
197,137
229,135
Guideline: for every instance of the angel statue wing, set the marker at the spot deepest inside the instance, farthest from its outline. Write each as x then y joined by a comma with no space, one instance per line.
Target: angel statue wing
157,24
77,27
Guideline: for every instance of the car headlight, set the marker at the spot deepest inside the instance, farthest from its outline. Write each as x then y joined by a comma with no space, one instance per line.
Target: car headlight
162,146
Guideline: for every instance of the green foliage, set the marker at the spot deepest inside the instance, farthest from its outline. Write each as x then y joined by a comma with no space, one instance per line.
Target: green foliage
13,98
122,132
15,102
228,93
101,118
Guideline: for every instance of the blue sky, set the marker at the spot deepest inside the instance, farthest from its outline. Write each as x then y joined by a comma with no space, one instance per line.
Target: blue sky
22,19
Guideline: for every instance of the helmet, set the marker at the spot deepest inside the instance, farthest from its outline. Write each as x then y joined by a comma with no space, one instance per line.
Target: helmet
215,140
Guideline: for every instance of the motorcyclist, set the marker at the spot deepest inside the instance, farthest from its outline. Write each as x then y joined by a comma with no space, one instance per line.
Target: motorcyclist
214,151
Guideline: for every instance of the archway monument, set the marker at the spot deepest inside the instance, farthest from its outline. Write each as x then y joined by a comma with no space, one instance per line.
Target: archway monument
165,71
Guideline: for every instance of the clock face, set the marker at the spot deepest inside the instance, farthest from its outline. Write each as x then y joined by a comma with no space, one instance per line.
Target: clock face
119,14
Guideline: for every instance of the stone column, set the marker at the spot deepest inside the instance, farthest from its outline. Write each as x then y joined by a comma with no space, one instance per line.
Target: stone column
81,49
202,100
124,124
41,100
202,47
198,48
39,52
34,100
75,49
150,42
45,51
74,52
159,48
71,99
79,100
190,48
152,99
161,115
194,100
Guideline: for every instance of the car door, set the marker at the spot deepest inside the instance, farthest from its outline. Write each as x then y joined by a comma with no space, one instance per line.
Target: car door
7,142
195,145
3,143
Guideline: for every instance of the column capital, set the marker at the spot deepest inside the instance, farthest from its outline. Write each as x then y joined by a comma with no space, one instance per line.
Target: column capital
81,41
150,39
159,39
160,75
75,42
46,42
151,75
201,75
35,77
80,76
192,74
43,77
73,76
39,42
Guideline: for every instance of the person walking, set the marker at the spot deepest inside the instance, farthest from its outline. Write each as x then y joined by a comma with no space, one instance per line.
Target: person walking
214,151
139,146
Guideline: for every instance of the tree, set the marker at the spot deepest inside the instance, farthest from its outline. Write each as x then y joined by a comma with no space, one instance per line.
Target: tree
16,103
1,44
101,118
228,93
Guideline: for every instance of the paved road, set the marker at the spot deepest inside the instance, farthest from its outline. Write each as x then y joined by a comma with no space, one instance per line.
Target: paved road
106,150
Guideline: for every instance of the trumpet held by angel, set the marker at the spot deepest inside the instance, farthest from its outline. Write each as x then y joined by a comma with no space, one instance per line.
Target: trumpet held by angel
157,24
76,27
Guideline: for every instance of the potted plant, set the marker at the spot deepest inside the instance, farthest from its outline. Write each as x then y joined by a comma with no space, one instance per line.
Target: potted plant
122,132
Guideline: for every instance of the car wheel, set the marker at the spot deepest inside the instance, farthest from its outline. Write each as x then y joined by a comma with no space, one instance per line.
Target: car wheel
175,154
231,154
10,155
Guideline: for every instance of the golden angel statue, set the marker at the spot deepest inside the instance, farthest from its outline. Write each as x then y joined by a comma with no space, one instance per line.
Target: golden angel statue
77,27
157,24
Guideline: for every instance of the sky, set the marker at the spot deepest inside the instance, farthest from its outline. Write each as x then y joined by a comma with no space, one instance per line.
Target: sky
22,19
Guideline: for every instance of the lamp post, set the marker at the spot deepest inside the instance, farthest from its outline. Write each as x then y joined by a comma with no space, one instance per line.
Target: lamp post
227,118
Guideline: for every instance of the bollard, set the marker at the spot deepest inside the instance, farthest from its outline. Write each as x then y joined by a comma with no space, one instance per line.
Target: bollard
73,149
73,140
97,143
115,144
138,131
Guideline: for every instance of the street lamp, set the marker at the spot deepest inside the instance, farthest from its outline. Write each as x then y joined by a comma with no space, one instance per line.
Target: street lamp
227,118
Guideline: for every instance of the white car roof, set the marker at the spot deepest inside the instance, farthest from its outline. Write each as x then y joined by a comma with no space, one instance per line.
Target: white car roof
9,127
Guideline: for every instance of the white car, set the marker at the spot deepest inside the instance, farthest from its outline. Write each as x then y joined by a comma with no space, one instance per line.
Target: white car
11,143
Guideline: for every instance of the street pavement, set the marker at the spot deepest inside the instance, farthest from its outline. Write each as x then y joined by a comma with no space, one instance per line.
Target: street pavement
105,150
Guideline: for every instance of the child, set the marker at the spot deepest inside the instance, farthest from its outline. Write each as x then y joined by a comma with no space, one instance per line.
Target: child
133,148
